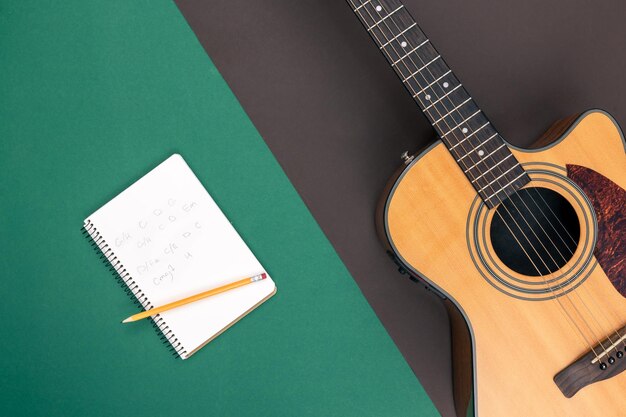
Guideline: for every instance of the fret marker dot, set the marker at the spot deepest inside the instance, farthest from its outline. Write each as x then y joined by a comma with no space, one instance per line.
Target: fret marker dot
481,152
464,130
379,8
427,96
403,44
446,85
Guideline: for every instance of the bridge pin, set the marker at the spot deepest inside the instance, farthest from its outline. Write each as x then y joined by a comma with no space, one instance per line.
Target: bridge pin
611,360
603,366
620,354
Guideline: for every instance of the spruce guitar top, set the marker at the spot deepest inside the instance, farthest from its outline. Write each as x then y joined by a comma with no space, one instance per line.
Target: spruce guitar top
527,246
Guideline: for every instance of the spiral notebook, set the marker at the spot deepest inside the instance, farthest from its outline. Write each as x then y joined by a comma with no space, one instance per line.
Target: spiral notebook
166,239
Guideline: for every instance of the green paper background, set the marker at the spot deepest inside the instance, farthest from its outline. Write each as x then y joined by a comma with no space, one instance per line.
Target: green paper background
92,96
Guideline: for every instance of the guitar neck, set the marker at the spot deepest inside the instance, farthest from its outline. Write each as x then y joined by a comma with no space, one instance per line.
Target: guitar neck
470,137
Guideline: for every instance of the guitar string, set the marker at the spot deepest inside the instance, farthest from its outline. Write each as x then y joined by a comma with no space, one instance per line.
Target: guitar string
563,258
495,194
580,315
617,332
545,217
593,316
571,252
504,221
510,230
506,224
590,328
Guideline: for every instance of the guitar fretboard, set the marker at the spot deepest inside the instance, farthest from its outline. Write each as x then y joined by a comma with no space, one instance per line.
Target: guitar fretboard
470,137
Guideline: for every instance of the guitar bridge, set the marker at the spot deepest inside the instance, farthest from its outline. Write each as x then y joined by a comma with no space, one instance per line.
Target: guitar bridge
605,360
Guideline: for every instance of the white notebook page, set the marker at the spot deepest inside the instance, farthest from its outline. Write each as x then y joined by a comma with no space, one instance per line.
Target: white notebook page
174,241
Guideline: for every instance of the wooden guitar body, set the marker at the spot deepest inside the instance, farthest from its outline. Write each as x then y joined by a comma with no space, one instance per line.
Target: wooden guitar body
524,329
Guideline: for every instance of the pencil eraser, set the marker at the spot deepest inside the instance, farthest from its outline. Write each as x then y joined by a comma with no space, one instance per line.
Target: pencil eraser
263,275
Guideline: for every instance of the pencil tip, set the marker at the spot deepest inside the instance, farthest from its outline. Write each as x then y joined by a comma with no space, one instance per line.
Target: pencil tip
127,320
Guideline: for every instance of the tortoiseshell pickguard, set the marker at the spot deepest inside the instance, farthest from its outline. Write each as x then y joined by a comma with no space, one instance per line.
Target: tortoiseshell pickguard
609,202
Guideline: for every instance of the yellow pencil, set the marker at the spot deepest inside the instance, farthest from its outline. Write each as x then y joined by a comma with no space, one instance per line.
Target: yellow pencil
196,297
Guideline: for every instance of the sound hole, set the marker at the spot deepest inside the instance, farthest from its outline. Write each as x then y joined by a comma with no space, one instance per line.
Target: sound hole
535,231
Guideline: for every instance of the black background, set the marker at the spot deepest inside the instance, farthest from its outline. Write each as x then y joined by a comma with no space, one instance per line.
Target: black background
337,118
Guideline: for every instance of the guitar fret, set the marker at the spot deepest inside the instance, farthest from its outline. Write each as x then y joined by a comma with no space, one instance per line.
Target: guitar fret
486,156
410,52
431,84
442,97
453,110
383,19
425,65
487,171
472,134
364,4
456,127
399,34
504,188
479,145
500,176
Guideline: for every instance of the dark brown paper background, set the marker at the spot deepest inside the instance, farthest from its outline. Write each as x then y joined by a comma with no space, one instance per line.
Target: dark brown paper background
337,118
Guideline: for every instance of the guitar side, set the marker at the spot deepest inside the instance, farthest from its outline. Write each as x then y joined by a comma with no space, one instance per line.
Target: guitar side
430,219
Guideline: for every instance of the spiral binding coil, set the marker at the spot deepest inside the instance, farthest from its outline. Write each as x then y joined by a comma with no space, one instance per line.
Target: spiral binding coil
130,286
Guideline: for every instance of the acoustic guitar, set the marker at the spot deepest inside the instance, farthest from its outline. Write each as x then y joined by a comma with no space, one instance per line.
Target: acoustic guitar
527,246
